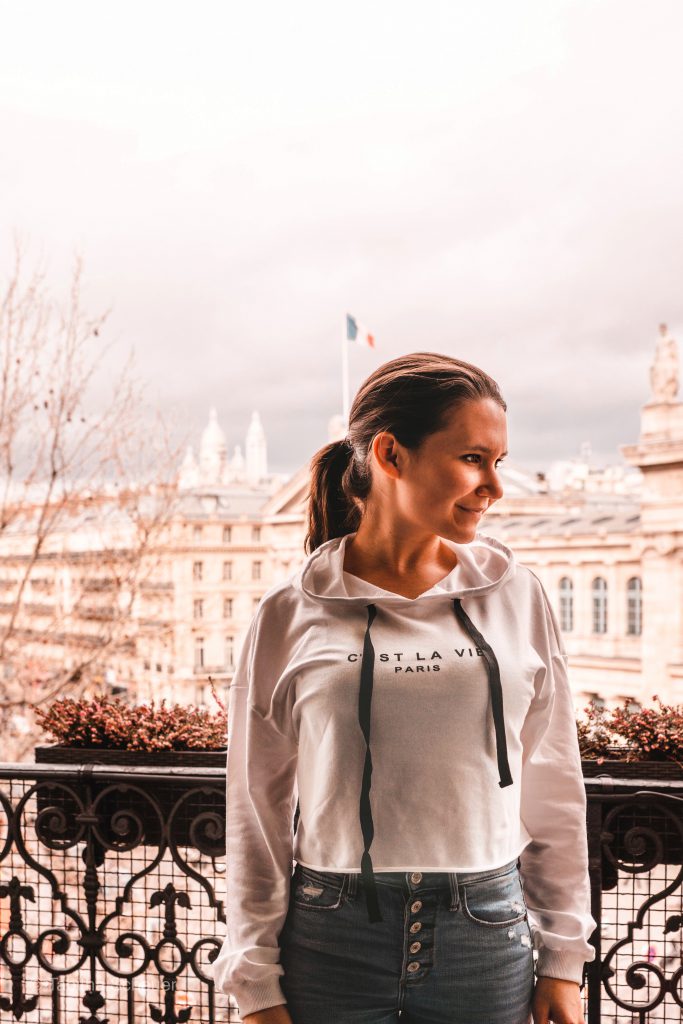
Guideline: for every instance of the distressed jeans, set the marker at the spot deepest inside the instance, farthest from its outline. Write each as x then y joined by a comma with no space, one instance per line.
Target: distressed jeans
452,949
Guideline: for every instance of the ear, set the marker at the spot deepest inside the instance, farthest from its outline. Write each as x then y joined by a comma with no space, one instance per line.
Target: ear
385,452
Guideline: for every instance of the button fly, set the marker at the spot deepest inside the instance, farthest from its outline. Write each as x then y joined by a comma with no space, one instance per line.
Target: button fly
416,877
415,926
417,905
415,946
413,966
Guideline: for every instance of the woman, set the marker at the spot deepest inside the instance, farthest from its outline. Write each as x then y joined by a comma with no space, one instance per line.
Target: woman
409,686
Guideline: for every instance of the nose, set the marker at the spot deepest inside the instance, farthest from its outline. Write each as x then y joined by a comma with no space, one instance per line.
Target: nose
492,485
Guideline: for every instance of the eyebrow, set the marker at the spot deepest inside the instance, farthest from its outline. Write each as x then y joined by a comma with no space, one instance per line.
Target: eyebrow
482,448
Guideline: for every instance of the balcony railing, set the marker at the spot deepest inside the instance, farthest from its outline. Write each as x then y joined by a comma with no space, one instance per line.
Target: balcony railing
112,896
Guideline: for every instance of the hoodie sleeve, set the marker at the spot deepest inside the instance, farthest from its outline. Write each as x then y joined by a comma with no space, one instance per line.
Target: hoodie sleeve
554,865
260,801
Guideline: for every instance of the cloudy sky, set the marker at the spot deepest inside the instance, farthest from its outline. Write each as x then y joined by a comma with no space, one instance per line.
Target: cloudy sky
498,181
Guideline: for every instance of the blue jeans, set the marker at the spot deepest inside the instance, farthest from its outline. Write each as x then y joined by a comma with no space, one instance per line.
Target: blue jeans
452,949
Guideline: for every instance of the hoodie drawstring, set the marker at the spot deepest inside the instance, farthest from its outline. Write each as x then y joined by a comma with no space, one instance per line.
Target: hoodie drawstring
366,822
495,689
364,708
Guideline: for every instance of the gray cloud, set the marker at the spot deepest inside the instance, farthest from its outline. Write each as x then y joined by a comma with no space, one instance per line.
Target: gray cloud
501,184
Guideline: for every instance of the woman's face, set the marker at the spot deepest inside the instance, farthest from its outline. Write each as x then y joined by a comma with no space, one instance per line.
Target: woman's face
446,485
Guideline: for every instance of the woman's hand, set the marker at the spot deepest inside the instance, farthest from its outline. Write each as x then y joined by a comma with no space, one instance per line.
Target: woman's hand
558,1001
273,1015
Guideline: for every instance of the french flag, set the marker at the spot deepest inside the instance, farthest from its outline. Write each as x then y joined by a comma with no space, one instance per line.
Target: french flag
358,332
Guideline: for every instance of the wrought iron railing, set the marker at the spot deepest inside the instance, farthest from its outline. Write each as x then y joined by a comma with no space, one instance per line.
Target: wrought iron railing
635,844
112,888
110,902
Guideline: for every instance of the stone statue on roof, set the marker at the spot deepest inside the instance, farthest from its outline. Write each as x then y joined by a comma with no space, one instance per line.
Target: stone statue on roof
664,370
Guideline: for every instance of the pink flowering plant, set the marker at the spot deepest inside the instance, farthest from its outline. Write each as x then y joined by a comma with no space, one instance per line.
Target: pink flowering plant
595,734
109,723
643,734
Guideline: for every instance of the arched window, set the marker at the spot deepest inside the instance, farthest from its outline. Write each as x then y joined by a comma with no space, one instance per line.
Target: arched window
599,605
566,605
634,606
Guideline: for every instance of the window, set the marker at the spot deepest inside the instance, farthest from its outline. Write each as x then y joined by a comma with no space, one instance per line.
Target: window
197,532
566,605
256,570
227,607
634,606
229,651
227,534
199,608
256,534
630,703
599,589
199,652
197,570
227,570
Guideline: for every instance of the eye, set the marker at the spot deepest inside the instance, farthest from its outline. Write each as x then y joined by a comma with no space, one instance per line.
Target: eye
474,455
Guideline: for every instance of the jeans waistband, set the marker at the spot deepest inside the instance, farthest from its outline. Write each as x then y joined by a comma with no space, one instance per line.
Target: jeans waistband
440,879
408,880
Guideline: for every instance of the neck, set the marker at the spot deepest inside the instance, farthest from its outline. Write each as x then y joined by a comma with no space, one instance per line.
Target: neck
396,549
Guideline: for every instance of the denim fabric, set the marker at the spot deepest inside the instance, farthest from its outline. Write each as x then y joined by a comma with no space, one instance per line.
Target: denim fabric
452,949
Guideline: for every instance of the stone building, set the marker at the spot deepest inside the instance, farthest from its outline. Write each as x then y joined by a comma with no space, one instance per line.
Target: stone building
155,625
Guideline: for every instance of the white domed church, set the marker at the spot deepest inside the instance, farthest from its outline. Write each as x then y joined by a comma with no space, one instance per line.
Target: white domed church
215,467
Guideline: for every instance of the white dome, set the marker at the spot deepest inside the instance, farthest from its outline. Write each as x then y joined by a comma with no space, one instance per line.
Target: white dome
213,438
212,450
188,460
189,471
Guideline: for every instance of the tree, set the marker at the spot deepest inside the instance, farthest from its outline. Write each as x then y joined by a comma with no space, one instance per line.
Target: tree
86,502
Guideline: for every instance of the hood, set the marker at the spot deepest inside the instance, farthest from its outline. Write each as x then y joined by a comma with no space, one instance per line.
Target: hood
483,565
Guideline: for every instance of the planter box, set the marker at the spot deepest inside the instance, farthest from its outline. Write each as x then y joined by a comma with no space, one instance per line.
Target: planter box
620,769
59,754
138,798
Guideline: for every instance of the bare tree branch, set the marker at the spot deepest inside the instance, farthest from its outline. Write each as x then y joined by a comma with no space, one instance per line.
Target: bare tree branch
85,503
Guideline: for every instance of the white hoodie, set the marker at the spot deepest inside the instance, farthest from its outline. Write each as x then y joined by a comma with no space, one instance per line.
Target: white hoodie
473,751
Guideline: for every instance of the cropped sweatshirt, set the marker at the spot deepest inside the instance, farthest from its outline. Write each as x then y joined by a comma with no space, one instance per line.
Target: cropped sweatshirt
431,734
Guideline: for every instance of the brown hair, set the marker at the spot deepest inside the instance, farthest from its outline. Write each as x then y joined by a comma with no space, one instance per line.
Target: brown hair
412,397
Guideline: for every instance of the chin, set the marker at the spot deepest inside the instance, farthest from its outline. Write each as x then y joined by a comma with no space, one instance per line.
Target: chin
461,534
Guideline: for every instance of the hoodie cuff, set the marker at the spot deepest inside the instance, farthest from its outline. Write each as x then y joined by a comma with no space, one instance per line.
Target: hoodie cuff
259,995
554,963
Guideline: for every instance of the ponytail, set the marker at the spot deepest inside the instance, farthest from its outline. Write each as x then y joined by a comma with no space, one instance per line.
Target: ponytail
332,511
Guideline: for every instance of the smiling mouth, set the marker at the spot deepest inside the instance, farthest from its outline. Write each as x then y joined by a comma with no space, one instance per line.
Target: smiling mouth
473,511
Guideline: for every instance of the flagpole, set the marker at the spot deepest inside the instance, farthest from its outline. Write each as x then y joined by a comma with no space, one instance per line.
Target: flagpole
345,377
